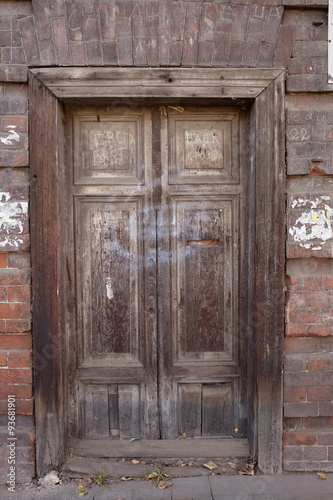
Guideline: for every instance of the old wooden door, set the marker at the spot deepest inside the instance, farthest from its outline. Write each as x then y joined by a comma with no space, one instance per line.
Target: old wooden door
157,237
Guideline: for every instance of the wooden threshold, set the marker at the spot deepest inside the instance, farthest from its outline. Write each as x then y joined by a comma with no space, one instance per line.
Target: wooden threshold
155,448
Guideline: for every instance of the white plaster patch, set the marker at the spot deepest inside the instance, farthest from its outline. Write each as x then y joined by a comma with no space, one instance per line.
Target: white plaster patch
11,215
13,136
11,241
109,291
315,226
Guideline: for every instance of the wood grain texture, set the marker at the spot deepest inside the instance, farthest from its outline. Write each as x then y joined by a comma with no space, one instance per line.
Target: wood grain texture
184,448
45,118
269,272
262,304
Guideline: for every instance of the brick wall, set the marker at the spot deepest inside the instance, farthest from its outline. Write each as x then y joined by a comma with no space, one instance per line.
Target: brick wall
265,33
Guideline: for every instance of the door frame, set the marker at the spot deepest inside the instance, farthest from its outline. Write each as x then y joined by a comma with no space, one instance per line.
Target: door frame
52,88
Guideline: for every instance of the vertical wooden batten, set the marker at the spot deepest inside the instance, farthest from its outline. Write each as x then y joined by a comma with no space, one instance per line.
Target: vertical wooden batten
265,89
269,262
44,120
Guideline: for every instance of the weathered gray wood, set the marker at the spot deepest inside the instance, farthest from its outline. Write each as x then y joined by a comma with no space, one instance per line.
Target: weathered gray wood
168,448
120,82
269,272
45,119
267,167
198,300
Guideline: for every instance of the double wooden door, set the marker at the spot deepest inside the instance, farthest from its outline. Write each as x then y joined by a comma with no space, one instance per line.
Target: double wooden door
156,232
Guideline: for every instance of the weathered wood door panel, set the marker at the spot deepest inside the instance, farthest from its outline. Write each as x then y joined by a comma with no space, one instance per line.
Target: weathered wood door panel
157,261
199,266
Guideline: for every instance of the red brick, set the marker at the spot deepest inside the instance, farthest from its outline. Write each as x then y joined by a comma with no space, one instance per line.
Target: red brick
3,359
3,293
94,52
310,345
14,277
3,260
300,379
284,45
110,52
290,438
207,25
29,37
190,47
303,283
296,330
320,362
295,362
18,294
205,53
177,18
21,122
61,40
13,73
18,326
107,19
16,375
319,393
125,52
320,330
319,423
303,315
8,342
2,326
294,394
292,453
24,408
325,438
14,159
328,282
19,260
326,408
304,409
140,52
19,359
328,316
315,453
15,310
20,391
306,83
310,299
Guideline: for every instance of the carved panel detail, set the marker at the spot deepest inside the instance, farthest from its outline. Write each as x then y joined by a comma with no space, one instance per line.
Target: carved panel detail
204,147
109,149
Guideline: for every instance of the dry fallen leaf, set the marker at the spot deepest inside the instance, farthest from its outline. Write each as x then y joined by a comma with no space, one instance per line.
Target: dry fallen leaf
164,484
224,470
210,465
126,479
135,461
236,430
232,465
179,463
190,463
82,490
163,111
152,475
180,109
134,439
321,475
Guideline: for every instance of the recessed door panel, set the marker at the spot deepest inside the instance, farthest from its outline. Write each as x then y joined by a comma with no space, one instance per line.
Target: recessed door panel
157,262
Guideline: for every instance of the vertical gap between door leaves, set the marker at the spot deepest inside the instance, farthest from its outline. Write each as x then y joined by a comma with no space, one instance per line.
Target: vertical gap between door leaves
157,199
